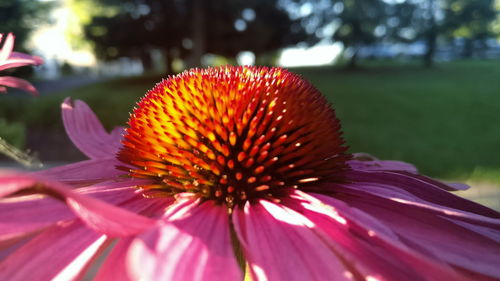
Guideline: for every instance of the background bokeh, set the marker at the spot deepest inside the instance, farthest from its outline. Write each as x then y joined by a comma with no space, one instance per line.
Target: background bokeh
412,80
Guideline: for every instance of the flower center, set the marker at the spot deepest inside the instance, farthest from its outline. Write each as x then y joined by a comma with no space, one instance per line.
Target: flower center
233,134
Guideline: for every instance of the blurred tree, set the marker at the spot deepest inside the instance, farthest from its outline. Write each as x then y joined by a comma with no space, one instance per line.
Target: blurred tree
131,28
354,23
430,20
359,23
187,29
21,17
418,20
368,22
259,26
83,12
471,20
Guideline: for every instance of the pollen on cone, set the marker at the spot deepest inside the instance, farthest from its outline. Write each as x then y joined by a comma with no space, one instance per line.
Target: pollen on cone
233,134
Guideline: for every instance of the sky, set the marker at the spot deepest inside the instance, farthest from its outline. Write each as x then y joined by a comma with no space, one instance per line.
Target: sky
50,41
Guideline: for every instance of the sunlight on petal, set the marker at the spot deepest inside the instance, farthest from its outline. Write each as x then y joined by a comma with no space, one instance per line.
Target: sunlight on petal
71,271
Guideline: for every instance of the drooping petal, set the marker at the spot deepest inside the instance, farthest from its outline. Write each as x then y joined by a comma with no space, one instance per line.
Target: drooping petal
88,171
100,216
279,244
433,235
21,215
20,218
15,82
62,252
192,244
87,132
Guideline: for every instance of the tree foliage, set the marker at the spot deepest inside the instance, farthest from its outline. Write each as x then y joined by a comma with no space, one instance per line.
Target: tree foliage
362,23
21,17
186,29
470,20
359,21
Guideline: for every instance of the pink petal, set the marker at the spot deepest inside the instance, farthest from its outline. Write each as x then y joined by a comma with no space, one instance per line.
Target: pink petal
114,268
361,256
115,265
6,50
454,186
441,185
89,171
375,249
14,82
480,216
7,247
62,252
36,60
87,132
421,189
429,234
280,244
116,134
366,162
100,216
493,234
193,244
20,59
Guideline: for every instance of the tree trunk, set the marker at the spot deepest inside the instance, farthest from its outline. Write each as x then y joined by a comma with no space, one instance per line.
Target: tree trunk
467,50
147,63
354,60
431,48
169,59
431,36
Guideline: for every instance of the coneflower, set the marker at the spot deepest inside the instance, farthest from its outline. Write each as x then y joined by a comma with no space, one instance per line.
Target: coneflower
228,169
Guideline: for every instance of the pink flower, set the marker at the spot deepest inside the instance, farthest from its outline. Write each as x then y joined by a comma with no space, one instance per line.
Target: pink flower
236,163
9,59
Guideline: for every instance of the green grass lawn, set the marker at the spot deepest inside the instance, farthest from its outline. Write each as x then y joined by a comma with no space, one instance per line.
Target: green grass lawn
444,120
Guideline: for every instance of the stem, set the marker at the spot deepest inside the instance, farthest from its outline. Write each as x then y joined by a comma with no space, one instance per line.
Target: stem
238,252
19,156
